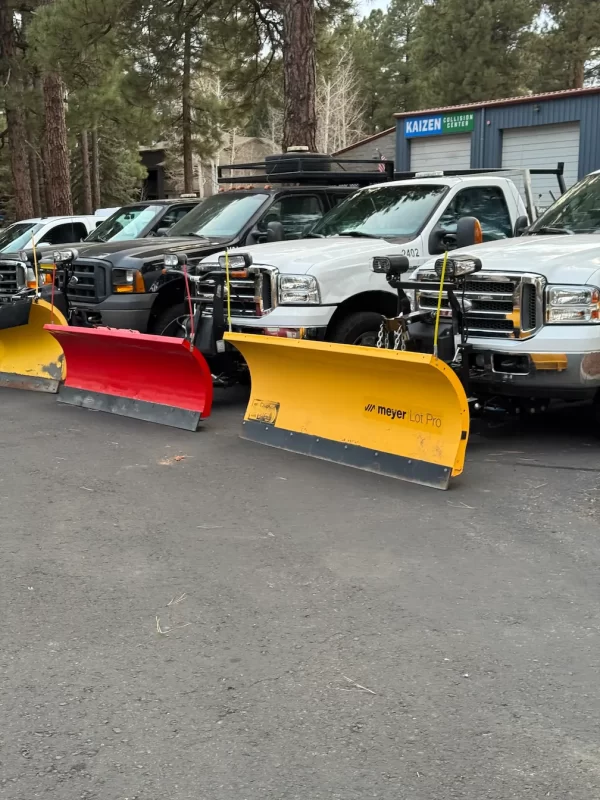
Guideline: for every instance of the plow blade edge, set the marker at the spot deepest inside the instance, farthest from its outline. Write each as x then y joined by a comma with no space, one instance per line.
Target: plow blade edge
154,378
30,358
399,414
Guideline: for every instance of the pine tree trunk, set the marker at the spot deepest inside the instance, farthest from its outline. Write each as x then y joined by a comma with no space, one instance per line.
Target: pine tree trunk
15,115
299,74
578,75
45,181
34,177
96,198
86,176
57,149
19,162
186,105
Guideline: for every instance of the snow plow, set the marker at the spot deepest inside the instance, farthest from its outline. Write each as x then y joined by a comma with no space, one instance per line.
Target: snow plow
159,379
399,410
30,358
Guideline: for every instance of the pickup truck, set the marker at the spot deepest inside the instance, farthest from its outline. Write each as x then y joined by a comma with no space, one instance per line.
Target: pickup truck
322,287
139,220
533,311
122,283
40,231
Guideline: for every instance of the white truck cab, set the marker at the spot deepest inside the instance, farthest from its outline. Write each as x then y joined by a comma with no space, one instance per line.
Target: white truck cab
41,231
322,287
533,311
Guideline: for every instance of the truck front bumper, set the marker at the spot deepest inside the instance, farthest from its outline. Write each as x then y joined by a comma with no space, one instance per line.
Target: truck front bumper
129,311
559,376
302,322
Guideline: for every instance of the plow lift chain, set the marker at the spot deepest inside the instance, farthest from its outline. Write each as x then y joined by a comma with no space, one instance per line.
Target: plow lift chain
416,330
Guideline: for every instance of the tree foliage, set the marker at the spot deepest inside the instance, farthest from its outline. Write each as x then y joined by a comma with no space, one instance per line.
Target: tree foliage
197,73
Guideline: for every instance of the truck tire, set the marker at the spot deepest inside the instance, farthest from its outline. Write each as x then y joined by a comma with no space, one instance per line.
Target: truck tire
360,328
171,321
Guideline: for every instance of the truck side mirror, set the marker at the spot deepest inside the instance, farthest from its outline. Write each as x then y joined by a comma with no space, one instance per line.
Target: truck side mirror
468,232
441,240
163,231
275,232
521,226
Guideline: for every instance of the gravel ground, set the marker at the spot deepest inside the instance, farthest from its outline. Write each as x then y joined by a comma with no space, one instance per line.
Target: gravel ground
194,617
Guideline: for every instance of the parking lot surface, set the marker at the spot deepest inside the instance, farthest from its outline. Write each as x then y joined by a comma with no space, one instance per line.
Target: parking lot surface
194,617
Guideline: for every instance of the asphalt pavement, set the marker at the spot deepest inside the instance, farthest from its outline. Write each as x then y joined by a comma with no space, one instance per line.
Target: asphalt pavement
195,617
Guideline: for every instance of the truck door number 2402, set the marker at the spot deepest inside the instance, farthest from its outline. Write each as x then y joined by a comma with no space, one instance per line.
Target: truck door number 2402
412,252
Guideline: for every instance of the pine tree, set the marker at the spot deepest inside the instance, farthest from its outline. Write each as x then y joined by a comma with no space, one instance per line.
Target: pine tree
13,83
567,49
382,49
470,50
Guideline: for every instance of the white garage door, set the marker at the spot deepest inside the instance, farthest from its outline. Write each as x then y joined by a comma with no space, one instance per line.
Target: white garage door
542,147
440,152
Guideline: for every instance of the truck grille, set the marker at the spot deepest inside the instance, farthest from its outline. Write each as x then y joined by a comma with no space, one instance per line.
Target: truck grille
12,278
498,306
88,284
250,297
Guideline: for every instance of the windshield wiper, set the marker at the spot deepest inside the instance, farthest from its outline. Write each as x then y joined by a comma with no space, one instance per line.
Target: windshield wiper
551,230
314,236
359,235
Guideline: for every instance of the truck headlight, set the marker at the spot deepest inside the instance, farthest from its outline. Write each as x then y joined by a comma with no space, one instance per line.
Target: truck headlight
298,290
127,281
572,304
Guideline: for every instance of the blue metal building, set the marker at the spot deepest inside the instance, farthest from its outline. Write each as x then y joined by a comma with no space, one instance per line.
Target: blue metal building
536,132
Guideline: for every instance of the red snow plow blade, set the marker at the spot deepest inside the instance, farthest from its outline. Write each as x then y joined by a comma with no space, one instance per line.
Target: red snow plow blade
154,378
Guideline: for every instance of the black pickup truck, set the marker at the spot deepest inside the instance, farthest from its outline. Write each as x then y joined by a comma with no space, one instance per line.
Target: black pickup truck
122,285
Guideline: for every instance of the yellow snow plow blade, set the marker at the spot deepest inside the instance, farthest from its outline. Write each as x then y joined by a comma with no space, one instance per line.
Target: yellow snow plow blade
400,414
30,357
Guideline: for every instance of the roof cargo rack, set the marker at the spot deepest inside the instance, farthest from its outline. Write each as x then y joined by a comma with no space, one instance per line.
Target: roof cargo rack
559,171
310,169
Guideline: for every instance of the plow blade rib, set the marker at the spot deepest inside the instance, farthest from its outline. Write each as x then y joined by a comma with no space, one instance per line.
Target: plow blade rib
399,414
30,358
154,378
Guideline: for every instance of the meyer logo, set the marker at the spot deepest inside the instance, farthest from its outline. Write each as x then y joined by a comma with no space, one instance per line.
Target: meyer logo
386,411
419,418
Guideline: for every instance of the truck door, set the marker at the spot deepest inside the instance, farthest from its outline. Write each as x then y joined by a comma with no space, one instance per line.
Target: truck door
488,204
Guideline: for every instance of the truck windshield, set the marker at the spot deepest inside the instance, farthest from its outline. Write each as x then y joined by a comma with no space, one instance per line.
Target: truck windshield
222,215
18,236
126,223
577,211
383,212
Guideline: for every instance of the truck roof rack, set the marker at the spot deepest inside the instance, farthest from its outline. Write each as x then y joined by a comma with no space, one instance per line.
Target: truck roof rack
308,170
559,171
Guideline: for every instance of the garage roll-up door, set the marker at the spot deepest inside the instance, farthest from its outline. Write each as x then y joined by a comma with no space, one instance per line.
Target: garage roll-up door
542,147
440,152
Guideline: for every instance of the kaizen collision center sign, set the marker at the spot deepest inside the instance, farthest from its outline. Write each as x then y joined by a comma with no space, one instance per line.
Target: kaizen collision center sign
439,124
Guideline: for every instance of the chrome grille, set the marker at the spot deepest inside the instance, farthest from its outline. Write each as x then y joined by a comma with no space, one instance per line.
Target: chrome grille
496,305
250,297
12,278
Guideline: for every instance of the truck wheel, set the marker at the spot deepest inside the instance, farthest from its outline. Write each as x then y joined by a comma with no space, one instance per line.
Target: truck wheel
360,328
172,321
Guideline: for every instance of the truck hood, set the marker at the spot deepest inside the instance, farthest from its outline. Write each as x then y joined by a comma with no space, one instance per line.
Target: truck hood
560,259
141,249
302,256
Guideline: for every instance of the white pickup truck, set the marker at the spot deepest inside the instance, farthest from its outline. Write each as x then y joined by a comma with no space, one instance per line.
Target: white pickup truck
322,287
533,311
